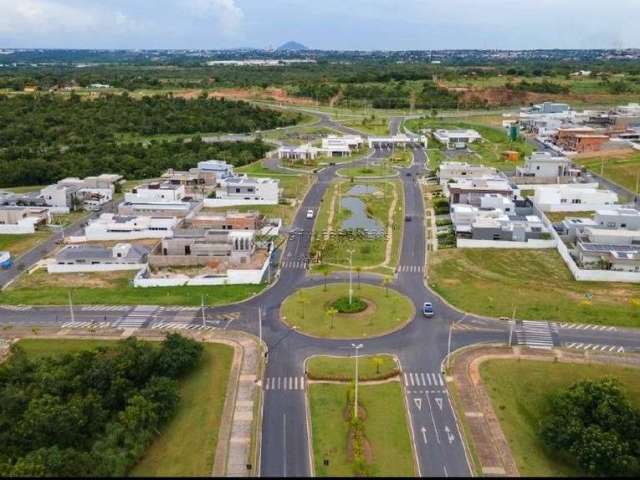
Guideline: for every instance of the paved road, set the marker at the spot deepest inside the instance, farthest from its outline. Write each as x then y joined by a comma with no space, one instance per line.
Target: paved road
421,345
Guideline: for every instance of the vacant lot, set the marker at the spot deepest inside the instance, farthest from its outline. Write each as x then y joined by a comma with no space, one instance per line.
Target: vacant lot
113,288
307,309
536,282
622,169
370,367
385,429
186,446
519,391
19,244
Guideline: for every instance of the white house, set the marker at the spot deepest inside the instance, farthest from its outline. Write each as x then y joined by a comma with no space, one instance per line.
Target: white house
456,138
90,192
60,198
220,168
545,165
156,193
334,145
302,152
18,220
455,170
618,218
95,258
244,190
572,198
109,227
399,140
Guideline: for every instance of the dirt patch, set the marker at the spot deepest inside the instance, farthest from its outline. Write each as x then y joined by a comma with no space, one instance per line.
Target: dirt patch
269,93
41,279
621,153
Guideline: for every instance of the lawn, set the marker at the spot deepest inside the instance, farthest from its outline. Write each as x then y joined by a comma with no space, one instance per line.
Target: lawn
343,368
19,244
519,392
621,169
371,126
113,288
367,252
307,310
492,282
186,446
385,429
188,443
556,217
298,135
368,171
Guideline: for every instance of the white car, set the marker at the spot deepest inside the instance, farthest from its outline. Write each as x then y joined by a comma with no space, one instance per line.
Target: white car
309,213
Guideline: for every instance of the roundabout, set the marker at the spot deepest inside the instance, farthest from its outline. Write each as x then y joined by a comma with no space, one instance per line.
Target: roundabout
364,171
327,313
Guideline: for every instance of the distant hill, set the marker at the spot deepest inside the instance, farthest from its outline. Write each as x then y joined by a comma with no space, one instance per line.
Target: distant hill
292,46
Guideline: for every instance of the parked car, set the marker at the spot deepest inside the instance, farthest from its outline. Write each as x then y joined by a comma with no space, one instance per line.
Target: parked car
427,309
407,218
309,213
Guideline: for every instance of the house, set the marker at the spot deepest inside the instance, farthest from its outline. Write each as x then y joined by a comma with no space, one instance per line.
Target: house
61,198
218,167
19,220
197,183
228,221
548,107
392,141
471,191
195,246
109,227
71,193
572,198
618,218
579,139
244,190
624,258
156,199
95,258
458,139
545,165
304,152
455,170
629,110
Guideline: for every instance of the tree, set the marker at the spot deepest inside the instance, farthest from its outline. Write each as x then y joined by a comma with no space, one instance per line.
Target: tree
303,300
378,362
386,282
324,270
358,270
331,313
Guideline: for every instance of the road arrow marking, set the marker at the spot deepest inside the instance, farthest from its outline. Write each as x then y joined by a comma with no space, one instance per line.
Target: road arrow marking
418,402
439,402
424,434
451,437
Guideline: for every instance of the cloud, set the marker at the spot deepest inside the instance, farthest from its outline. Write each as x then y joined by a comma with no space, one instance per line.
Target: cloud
227,13
51,16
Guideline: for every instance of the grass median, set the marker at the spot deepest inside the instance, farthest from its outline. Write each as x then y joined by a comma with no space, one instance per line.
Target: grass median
186,446
310,310
519,391
536,282
370,367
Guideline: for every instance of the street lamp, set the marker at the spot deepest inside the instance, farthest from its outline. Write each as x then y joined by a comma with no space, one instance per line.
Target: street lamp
355,402
350,252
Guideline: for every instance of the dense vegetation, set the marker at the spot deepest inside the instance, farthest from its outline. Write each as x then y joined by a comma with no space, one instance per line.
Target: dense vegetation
45,138
90,413
594,425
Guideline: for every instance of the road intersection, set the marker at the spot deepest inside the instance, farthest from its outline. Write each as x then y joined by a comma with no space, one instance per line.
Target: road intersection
421,346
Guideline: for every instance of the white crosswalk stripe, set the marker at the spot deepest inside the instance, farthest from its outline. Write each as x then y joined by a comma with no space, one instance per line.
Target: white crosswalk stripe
595,347
534,334
106,308
295,265
411,268
584,326
423,379
76,324
16,308
284,383
179,309
180,326
137,317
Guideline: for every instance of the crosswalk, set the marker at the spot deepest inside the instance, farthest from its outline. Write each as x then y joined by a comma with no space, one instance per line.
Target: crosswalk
533,334
411,268
137,317
423,379
180,326
595,347
87,324
16,308
284,383
584,326
179,309
106,308
295,265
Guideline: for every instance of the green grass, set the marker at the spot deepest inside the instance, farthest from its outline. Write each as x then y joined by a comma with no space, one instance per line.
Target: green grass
40,288
26,189
537,282
188,442
378,126
623,169
385,429
368,171
386,313
298,135
343,368
556,217
519,391
19,244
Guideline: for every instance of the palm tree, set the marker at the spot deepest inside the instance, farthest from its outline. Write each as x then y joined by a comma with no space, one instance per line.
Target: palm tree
303,300
386,282
331,313
358,270
378,361
324,269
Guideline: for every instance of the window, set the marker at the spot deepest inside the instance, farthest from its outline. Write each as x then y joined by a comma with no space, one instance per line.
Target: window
623,225
563,200
611,225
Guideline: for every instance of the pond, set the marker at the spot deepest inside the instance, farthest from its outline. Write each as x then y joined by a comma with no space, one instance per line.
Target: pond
358,190
359,219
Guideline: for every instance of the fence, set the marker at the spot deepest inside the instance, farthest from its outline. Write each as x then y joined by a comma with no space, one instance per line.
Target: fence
531,244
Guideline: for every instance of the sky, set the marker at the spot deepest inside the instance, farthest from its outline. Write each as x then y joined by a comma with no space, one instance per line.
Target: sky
321,24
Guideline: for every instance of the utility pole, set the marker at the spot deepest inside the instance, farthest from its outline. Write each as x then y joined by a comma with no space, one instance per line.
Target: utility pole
449,344
260,325
511,324
350,275
602,167
73,318
204,321
355,401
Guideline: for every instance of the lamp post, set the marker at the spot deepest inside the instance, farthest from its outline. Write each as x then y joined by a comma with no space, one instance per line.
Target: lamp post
350,276
204,318
355,401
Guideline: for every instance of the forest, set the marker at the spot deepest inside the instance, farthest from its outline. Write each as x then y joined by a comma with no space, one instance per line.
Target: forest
90,413
44,138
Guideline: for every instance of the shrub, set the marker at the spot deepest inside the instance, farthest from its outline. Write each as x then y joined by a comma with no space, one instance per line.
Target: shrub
342,305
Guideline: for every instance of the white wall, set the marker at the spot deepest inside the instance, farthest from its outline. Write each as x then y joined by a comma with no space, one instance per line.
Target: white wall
531,244
23,228
87,268
232,202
